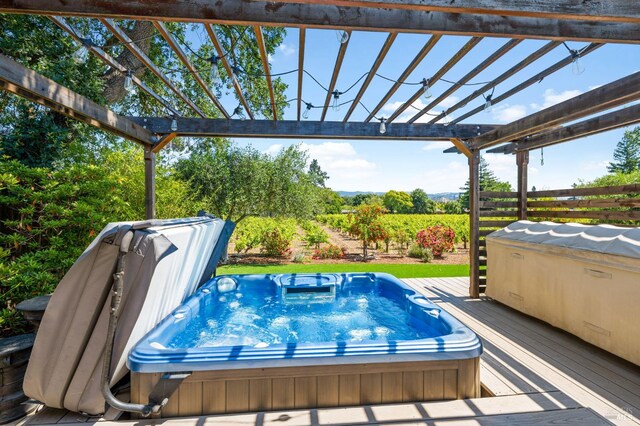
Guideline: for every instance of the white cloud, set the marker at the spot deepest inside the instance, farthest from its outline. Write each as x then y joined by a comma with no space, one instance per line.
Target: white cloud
341,161
550,97
504,167
442,179
419,105
286,50
434,146
274,149
595,166
508,113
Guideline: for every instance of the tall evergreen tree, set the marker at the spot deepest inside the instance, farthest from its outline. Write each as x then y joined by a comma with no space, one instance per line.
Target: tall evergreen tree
627,153
488,182
317,175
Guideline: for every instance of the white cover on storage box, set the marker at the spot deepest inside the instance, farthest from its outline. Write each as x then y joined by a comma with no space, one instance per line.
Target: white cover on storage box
584,279
166,262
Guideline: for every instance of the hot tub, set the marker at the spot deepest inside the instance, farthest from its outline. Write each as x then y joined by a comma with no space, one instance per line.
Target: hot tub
266,342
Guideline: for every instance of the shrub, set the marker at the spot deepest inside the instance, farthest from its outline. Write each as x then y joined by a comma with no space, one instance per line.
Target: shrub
366,225
316,236
438,238
329,252
298,257
422,253
276,243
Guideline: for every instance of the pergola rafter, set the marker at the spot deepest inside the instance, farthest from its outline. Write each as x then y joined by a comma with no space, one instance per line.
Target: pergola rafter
173,43
267,71
334,76
301,45
111,62
405,74
502,77
225,62
473,42
147,62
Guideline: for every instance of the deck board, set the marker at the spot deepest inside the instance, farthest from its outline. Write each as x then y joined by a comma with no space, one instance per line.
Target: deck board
540,355
536,373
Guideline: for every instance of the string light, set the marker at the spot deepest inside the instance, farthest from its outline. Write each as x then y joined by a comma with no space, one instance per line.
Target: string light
488,106
426,90
81,55
383,125
445,119
235,70
342,36
128,82
335,105
577,67
307,110
214,73
174,123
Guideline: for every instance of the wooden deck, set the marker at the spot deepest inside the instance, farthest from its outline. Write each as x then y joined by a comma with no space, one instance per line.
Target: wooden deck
534,374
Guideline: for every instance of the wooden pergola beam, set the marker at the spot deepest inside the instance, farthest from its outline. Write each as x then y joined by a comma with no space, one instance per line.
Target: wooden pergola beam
182,56
372,73
612,120
461,146
337,17
147,62
334,76
211,127
605,97
111,62
475,71
405,74
221,54
529,82
301,45
461,53
502,77
265,65
603,10
19,80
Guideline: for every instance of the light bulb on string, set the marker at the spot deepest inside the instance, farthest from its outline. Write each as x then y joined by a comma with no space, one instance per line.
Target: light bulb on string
488,105
342,36
238,112
426,89
335,105
234,74
128,82
577,66
81,55
214,73
383,126
174,123
307,110
445,119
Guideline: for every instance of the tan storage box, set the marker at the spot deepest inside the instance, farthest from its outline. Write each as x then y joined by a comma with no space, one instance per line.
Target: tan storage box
584,279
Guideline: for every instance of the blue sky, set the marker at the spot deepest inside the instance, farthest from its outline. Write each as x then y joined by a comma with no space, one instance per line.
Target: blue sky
385,165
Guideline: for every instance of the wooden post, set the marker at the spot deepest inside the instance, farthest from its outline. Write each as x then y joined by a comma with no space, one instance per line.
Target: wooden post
149,183
474,223
522,160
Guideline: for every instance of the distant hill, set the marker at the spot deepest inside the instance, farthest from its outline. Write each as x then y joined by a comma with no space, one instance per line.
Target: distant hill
442,196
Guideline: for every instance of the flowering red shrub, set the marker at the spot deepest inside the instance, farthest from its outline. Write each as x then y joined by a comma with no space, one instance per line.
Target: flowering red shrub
328,252
276,243
438,238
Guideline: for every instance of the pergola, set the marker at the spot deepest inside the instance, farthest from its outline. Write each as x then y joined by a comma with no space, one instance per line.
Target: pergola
595,21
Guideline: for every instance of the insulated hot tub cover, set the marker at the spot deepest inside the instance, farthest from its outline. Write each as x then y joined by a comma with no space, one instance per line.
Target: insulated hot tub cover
167,260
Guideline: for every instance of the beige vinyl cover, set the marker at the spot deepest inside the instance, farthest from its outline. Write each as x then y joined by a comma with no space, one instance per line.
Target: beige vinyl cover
584,279
165,264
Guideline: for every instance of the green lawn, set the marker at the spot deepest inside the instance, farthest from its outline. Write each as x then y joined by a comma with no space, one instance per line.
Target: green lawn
400,271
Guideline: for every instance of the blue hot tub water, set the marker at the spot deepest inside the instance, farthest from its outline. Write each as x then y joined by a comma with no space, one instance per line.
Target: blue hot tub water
301,316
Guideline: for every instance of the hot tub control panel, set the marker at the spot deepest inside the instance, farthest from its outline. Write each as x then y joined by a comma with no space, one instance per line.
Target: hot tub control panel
307,288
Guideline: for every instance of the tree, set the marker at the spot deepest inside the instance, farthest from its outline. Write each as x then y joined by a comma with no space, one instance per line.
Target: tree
317,175
359,199
234,182
422,204
488,182
366,225
453,207
627,153
397,202
331,201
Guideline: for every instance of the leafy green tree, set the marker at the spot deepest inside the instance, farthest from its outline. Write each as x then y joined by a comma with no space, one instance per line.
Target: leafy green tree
488,182
331,201
422,204
316,174
234,182
359,199
367,226
453,207
37,136
397,202
627,153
